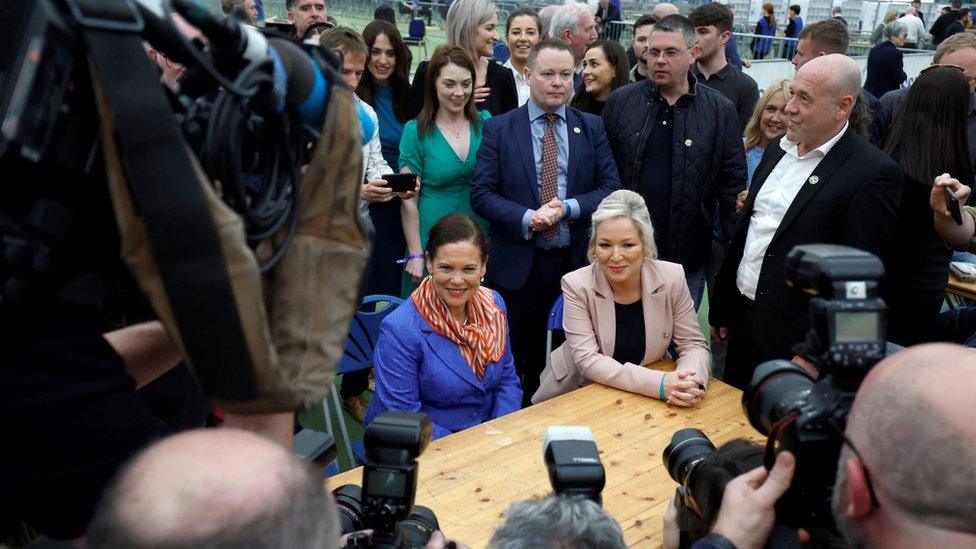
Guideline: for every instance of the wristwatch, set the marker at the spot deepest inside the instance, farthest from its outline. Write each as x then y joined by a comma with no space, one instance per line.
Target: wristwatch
718,540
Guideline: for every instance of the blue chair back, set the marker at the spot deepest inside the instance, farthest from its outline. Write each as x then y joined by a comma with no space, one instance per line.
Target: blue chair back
364,332
555,321
417,30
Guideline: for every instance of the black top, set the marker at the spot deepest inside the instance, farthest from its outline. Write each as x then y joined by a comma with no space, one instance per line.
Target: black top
503,98
917,270
630,342
657,169
737,86
885,69
939,27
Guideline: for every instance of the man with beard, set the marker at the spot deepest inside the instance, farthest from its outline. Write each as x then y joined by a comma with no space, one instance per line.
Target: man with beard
906,476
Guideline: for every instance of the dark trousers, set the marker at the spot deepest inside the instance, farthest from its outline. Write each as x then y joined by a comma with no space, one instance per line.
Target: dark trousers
384,275
528,310
742,354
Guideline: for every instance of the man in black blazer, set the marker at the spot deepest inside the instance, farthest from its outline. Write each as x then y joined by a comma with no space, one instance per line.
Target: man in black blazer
820,183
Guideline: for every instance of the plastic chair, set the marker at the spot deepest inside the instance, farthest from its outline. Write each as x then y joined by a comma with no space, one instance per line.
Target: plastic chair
555,322
364,332
417,35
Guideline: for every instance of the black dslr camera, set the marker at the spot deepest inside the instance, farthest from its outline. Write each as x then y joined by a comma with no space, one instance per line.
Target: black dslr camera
573,462
385,503
846,339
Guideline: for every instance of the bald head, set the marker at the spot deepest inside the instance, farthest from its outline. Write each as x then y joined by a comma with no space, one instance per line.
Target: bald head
912,420
219,487
664,9
836,72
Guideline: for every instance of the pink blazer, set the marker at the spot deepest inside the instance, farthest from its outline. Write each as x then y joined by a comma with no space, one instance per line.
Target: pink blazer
589,320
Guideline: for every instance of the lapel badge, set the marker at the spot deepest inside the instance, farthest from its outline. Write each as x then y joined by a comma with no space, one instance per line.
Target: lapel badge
576,130
688,142
813,180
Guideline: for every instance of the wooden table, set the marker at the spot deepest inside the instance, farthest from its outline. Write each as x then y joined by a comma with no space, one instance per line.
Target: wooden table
961,288
471,477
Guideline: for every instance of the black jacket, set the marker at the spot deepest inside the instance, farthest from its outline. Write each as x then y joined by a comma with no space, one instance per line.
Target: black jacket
709,162
885,69
503,98
853,202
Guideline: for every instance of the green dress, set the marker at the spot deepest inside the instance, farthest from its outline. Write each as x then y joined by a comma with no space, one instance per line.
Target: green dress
445,179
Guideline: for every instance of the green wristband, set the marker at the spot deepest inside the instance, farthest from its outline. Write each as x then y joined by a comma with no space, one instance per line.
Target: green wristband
660,393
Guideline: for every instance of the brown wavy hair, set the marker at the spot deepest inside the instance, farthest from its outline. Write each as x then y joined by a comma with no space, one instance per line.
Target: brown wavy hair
399,81
443,56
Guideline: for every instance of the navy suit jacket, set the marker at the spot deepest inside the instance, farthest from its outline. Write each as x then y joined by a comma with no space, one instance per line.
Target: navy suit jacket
505,185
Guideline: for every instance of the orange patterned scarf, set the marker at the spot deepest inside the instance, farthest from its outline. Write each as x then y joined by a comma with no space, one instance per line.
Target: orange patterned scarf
482,339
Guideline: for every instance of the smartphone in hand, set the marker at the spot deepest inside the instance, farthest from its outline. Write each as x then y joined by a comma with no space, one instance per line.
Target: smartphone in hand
954,208
401,182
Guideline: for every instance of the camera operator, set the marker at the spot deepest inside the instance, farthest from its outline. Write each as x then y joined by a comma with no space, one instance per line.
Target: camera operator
558,521
219,488
907,470
695,505
215,488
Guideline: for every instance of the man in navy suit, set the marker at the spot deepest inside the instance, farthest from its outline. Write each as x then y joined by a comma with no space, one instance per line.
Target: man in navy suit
542,170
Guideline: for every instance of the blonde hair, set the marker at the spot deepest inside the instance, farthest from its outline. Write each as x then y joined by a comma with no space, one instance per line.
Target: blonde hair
624,203
753,134
954,43
463,19
890,16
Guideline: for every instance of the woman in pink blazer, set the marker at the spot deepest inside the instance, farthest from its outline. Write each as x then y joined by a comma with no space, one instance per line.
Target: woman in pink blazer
623,311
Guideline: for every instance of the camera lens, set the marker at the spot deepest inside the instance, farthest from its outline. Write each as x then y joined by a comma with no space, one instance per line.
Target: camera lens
777,387
687,449
349,501
417,528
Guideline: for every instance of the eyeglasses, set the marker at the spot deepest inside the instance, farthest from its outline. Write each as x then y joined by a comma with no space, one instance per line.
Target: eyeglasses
970,79
864,468
668,54
942,66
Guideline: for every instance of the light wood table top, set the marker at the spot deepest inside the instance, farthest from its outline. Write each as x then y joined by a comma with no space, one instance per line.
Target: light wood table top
471,477
961,287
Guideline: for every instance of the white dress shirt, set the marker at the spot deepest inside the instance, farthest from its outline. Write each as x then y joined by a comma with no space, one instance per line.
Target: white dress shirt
374,166
774,199
916,29
521,86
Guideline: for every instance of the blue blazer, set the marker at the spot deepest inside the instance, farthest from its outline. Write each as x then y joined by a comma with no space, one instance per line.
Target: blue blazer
505,185
419,370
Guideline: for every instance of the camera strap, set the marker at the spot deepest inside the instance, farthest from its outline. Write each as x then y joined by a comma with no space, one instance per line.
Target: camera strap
144,143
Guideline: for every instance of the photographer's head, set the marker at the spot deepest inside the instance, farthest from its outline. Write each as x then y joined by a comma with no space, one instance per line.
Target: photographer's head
698,507
215,488
907,472
560,522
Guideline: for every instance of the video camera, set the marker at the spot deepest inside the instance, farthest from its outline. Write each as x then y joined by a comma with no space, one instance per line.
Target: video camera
251,163
573,462
385,503
846,339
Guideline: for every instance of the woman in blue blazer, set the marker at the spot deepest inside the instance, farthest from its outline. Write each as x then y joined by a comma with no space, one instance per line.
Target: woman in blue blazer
445,351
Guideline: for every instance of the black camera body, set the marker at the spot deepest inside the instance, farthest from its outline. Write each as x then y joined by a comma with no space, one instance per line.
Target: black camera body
846,339
385,503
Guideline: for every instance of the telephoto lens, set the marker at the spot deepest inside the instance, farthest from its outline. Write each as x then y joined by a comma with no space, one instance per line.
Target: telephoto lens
415,530
687,449
349,501
777,388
